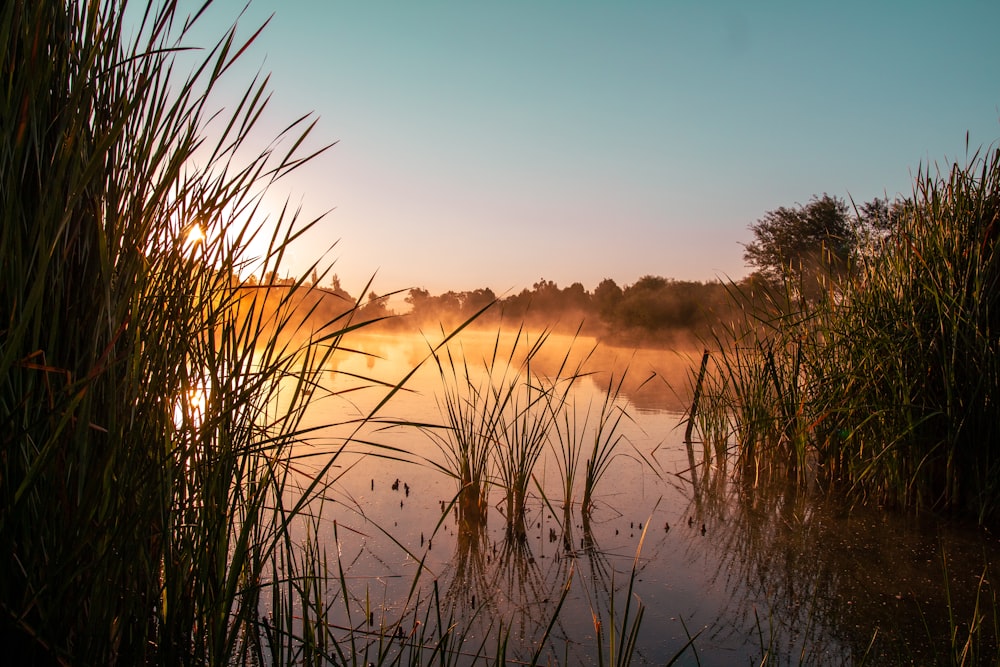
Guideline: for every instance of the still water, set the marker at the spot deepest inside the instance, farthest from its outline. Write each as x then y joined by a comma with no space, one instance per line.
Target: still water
725,574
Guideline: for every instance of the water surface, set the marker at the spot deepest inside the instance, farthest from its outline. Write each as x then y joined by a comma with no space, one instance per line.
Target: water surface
744,571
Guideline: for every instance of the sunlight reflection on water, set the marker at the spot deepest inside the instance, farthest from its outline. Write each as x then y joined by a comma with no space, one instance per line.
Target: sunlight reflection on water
747,571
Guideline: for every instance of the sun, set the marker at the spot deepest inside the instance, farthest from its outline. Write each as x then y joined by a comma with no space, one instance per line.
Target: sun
195,236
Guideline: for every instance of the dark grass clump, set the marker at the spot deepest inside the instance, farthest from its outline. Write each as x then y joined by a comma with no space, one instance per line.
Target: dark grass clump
919,337
144,483
884,381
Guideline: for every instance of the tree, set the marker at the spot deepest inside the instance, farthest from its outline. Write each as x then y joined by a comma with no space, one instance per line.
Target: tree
803,241
875,222
375,307
476,300
655,303
607,296
575,297
418,298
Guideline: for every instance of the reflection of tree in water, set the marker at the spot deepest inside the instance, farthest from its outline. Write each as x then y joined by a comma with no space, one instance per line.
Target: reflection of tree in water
811,579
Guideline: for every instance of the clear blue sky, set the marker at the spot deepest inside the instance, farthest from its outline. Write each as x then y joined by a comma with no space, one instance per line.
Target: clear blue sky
491,144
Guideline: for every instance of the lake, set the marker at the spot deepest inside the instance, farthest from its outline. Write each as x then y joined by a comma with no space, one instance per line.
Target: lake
726,572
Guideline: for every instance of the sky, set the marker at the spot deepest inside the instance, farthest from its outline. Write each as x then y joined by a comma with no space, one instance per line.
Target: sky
496,144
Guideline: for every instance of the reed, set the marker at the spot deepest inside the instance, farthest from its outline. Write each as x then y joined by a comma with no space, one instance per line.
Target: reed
150,394
497,420
623,624
883,381
535,403
711,421
974,641
568,430
605,440
472,409
153,394
576,433
918,349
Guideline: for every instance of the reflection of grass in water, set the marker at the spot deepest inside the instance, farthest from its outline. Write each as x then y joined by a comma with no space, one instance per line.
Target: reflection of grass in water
882,384
807,576
463,624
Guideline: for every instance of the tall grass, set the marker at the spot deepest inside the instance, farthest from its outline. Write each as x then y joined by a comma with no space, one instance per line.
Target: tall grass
498,416
576,434
473,410
535,403
501,416
604,443
145,495
152,395
887,382
921,333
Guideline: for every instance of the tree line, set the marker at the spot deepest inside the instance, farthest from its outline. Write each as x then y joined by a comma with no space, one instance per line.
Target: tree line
652,308
810,247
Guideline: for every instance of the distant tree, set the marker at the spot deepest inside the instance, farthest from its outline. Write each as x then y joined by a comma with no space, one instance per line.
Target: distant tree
545,289
545,297
517,305
875,221
648,284
575,297
476,300
878,215
655,303
803,241
418,298
607,296
376,306
336,289
450,302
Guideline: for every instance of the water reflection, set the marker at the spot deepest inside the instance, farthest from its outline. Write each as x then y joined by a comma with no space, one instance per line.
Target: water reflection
767,570
820,581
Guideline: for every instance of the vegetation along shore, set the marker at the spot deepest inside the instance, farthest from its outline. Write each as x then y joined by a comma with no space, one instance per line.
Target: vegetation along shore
172,484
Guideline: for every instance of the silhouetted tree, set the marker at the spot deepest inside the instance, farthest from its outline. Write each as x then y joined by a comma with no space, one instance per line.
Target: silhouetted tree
607,296
875,221
654,303
476,300
803,241
375,307
418,298
449,302
575,297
